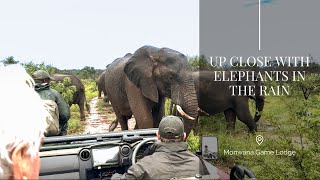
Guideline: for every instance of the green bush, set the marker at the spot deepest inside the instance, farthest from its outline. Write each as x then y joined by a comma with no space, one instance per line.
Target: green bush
287,123
65,89
91,89
75,126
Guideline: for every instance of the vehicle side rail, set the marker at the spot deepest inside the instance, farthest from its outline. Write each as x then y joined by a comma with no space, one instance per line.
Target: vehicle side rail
101,136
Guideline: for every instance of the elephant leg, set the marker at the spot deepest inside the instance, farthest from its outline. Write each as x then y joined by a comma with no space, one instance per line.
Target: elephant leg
105,93
143,116
158,112
88,107
82,114
230,116
99,94
123,120
243,114
140,108
81,107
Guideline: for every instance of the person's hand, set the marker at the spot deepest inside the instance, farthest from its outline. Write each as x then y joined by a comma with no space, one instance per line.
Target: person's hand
116,176
150,149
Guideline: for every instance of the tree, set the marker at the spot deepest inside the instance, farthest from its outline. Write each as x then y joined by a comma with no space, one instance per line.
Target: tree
199,63
9,60
32,67
87,72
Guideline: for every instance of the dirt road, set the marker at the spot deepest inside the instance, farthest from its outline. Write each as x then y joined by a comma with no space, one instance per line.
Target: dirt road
98,121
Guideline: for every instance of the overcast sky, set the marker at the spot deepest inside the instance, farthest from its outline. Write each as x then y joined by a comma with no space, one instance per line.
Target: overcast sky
77,33
288,28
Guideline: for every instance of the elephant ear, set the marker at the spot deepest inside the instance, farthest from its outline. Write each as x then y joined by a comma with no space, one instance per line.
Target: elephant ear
139,71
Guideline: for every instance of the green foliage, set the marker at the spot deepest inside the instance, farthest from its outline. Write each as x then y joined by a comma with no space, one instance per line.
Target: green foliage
199,63
87,73
9,60
75,126
32,67
167,107
311,85
305,116
64,88
287,123
101,106
91,90
193,142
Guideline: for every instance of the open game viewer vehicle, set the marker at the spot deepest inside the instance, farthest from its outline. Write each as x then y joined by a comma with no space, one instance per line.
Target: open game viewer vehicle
99,156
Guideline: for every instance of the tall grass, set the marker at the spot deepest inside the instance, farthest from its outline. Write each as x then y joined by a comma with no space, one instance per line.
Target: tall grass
280,125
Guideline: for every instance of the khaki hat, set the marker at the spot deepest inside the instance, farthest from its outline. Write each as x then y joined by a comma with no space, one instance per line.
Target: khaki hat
171,127
41,74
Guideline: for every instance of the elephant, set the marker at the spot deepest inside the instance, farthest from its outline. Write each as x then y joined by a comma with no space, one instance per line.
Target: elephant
100,82
138,84
79,97
216,97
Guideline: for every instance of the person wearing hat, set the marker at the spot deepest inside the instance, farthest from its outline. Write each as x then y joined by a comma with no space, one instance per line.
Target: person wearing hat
171,158
42,80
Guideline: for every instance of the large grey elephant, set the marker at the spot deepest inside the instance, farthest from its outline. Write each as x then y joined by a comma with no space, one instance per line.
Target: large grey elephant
101,85
79,97
216,97
137,84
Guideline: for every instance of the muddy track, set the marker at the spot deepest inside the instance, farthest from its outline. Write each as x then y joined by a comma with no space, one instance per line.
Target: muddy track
98,121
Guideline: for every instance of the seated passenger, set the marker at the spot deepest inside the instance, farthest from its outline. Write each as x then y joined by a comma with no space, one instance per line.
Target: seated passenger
171,157
22,124
42,79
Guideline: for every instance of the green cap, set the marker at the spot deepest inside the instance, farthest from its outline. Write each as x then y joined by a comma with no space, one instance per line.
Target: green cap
41,74
171,127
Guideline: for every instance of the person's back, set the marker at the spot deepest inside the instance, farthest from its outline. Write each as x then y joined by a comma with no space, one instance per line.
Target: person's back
171,158
46,92
168,161
42,86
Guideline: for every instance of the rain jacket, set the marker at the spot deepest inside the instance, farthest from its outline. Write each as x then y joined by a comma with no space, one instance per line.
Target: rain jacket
48,93
168,161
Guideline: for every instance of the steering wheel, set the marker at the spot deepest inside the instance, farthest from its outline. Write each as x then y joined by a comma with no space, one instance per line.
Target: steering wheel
135,152
239,172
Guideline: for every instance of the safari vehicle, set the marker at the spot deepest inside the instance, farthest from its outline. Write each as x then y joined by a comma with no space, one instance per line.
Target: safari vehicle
99,156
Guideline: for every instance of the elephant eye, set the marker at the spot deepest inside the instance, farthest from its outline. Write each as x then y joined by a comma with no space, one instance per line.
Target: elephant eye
172,77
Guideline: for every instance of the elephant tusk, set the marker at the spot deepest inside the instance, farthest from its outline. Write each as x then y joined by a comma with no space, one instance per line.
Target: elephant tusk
203,112
185,115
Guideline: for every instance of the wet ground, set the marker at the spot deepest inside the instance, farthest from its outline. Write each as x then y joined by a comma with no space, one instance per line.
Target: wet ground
98,121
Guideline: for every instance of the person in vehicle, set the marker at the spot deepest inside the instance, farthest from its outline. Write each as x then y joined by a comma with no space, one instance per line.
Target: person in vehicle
22,124
207,154
42,79
171,157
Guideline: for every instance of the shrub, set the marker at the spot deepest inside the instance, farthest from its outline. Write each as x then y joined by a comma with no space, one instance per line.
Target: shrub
64,88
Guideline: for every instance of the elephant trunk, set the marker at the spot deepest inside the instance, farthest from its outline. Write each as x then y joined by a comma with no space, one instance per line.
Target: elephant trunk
259,98
259,108
185,96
